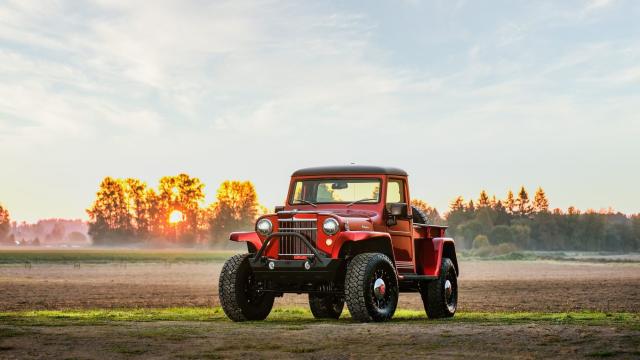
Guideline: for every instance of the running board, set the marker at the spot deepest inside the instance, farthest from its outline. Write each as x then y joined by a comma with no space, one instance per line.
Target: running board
416,277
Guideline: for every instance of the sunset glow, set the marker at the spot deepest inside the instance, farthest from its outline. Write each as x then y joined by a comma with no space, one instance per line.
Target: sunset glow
176,216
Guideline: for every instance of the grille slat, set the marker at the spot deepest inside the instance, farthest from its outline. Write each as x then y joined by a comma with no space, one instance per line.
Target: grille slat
291,245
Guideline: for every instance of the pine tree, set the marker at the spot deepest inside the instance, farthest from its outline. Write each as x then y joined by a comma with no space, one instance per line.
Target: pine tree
471,207
483,200
523,205
510,203
540,202
457,204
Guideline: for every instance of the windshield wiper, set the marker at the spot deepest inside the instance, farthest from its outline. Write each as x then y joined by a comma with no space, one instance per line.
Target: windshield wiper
361,200
305,201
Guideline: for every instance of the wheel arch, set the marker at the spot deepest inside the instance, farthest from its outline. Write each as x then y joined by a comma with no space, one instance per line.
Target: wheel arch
449,251
371,242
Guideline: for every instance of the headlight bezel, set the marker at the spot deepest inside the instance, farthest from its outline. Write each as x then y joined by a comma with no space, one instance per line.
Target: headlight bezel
332,230
267,231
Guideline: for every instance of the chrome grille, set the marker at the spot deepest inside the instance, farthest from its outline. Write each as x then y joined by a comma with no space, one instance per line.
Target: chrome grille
292,245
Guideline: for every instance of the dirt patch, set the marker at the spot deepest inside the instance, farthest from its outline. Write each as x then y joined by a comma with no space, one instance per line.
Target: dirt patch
484,286
323,340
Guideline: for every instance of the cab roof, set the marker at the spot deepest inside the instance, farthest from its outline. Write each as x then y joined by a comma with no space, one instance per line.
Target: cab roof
349,170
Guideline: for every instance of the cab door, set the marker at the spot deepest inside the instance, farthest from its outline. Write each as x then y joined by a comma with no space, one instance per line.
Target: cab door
401,231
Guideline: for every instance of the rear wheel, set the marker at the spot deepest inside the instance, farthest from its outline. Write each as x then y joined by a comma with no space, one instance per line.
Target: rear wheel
326,306
371,287
238,297
440,296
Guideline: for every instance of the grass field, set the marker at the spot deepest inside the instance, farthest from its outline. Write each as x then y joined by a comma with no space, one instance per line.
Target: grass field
303,315
105,256
196,333
121,303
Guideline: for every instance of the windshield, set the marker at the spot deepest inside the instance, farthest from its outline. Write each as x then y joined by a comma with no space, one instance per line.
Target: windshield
335,191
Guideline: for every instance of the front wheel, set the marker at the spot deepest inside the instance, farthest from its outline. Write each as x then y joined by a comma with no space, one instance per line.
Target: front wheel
440,296
238,297
371,287
327,306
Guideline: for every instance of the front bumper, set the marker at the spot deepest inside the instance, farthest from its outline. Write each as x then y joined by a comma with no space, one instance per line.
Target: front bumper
294,271
315,268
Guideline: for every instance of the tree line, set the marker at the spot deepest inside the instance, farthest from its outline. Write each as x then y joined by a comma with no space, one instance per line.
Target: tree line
518,222
128,210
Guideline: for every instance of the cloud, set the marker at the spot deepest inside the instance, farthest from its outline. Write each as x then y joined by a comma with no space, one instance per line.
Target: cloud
199,78
598,4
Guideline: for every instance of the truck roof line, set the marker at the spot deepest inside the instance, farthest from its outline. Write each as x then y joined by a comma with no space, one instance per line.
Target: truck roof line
349,170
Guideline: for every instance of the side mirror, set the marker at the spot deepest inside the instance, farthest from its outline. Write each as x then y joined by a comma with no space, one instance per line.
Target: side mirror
398,210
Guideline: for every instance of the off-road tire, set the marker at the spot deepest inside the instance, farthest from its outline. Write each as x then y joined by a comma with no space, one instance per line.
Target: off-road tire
238,301
419,217
434,297
361,275
327,306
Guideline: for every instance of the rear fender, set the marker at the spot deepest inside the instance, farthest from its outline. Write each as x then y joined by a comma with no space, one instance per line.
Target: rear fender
351,243
429,254
250,237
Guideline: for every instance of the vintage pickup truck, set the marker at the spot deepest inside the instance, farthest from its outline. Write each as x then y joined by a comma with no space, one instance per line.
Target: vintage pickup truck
345,234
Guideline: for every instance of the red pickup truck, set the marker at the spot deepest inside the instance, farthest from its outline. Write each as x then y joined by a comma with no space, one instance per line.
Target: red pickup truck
345,234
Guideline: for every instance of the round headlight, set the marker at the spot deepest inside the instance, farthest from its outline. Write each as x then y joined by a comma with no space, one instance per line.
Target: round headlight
330,226
264,227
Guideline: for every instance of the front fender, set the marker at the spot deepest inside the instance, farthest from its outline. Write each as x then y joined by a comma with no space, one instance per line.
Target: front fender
248,237
348,238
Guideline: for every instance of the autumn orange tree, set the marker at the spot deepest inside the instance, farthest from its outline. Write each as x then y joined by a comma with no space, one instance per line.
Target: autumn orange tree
236,208
110,220
127,210
184,194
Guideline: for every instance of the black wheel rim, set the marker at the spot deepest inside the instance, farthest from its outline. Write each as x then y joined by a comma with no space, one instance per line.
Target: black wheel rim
250,294
450,291
384,303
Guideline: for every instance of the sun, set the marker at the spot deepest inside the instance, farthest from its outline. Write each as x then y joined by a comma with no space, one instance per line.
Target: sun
176,216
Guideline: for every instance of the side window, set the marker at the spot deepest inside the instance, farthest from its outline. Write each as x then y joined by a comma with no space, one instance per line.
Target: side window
395,191
297,191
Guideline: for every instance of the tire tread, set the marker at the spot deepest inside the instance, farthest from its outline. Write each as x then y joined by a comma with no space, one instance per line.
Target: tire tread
355,280
434,298
322,307
228,292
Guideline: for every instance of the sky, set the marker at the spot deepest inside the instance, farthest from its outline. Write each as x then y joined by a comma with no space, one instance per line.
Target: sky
463,95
